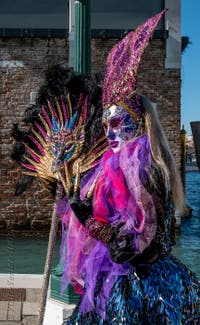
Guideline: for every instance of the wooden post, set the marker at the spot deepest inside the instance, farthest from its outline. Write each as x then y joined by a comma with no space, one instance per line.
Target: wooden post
49,256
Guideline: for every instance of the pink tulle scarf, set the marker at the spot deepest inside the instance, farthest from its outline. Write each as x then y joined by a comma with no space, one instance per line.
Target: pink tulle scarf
120,196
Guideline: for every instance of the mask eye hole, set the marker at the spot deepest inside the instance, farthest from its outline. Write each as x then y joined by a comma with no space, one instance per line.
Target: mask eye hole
69,147
115,122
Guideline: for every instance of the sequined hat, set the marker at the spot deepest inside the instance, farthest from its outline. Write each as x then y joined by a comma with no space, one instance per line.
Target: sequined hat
120,81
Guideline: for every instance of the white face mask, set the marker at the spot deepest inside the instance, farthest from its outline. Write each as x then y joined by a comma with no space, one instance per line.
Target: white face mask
119,126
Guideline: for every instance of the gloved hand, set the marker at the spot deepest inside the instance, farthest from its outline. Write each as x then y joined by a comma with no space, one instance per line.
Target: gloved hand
121,246
82,209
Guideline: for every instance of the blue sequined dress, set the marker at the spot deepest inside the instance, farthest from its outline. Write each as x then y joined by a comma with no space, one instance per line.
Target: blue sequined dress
164,292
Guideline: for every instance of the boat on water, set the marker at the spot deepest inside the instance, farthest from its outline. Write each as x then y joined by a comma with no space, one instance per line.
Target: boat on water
195,126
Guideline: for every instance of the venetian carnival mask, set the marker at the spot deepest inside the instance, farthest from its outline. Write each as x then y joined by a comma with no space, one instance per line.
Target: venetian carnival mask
119,126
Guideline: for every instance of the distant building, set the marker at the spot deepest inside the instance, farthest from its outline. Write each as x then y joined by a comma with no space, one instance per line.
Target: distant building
190,150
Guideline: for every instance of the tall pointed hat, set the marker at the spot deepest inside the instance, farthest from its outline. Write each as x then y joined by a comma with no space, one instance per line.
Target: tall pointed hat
120,80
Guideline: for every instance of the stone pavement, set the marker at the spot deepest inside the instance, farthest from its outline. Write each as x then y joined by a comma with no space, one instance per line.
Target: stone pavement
22,307
20,297
23,312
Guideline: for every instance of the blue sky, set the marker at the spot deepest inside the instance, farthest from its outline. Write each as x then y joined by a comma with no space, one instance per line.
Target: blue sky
190,101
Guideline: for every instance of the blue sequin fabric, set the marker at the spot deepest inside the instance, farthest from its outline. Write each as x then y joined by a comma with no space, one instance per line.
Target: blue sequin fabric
162,293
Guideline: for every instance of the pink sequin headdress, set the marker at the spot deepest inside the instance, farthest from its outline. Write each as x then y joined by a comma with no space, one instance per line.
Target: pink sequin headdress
120,81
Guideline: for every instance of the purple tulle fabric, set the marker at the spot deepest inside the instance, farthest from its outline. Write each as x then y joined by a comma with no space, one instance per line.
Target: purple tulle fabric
120,196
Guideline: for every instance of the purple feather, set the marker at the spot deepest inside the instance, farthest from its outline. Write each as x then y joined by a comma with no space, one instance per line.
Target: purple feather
34,156
64,110
54,112
30,167
38,145
46,116
44,134
85,110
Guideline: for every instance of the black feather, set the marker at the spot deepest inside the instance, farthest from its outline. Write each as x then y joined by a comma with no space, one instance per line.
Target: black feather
17,151
31,114
23,184
16,133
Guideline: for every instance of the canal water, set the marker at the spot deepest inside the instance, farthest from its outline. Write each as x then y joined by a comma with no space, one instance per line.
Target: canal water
187,247
27,255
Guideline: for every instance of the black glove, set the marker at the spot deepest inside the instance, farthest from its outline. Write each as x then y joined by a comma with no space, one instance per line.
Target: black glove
82,209
121,246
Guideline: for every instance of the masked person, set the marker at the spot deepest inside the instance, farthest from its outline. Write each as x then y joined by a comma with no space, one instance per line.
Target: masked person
119,228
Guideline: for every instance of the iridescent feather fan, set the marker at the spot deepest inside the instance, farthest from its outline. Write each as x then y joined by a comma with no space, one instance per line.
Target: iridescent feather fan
55,145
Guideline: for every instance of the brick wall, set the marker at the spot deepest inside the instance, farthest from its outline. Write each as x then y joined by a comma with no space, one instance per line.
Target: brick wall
32,210
162,86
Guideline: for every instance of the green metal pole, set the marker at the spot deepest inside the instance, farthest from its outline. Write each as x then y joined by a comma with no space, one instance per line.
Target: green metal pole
82,64
82,59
